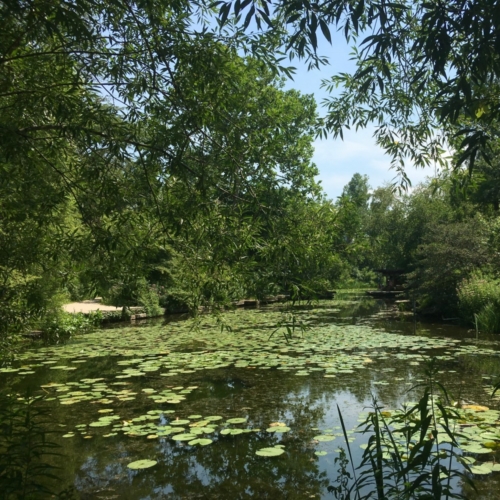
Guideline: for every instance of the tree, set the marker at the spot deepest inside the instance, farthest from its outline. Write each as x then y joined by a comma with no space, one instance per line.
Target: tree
449,254
386,229
425,70
357,191
350,222
137,146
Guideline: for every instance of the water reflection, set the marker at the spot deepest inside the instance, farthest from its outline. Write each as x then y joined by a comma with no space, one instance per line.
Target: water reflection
229,468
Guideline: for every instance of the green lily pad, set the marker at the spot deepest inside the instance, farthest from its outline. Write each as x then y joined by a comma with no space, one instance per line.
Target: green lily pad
142,464
184,437
480,469
231,432
324,437
100,423
179,422
278,429
237,420
200,441
270,452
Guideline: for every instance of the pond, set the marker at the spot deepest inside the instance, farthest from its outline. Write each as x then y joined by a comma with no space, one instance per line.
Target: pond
233,407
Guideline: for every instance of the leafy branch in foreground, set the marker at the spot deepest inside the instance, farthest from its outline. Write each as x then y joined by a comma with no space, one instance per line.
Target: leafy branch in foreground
426,72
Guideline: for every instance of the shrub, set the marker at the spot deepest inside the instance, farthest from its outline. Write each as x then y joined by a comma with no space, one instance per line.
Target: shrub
136,291
62,324
488,318
148,297
450,253
479,296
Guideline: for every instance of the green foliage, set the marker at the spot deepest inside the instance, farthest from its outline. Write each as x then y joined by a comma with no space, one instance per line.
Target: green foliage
340,488
26,302
148,298
358,279
26,470
57,324
488,318
449,254
410,454
139,149
390,229
479,299
357,191
425,71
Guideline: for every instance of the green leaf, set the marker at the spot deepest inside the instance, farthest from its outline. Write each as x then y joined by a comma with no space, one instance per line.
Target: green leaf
270,452
142,464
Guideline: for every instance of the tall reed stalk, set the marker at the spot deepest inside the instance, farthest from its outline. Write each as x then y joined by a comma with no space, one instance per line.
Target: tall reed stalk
411,454
25,449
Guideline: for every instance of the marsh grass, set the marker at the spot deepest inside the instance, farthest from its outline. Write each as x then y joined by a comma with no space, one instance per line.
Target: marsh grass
26,452
479,300
411,454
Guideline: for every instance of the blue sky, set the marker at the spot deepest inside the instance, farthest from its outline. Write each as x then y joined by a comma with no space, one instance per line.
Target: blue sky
338,160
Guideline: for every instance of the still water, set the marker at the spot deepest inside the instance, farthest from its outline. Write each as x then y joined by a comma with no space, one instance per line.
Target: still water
197,401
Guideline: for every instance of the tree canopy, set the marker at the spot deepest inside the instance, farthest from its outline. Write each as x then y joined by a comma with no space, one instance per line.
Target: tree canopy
138,147
148,143
427,72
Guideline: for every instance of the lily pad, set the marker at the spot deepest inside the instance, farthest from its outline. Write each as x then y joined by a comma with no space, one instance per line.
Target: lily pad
179,422
200,441
324,437
231,432
278,429
480,469
184,437
237,420
270,452
142,464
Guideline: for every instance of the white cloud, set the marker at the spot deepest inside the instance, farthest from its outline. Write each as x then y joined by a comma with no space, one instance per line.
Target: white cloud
339,160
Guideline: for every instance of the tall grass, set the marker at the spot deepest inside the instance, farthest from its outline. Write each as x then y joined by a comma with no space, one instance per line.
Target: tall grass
479,298
26,451
412,454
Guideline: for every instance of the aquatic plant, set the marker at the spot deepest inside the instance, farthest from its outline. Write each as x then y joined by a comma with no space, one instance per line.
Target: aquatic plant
25,450
413,453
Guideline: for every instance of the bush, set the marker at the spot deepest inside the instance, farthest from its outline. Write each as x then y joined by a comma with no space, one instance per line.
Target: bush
27,302
450,253
488,319
357,279
148,297
63,324
479,296
136,291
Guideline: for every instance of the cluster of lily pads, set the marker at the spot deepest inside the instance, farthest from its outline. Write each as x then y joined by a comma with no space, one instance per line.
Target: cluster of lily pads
176,349
161,423
96,390
159,353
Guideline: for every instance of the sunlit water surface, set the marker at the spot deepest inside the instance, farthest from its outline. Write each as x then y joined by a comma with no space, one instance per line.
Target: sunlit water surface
113,396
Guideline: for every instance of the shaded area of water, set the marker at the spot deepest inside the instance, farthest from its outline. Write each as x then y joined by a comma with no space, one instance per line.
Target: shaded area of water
273,381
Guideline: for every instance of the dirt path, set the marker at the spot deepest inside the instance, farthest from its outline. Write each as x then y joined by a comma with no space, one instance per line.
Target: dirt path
88,306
